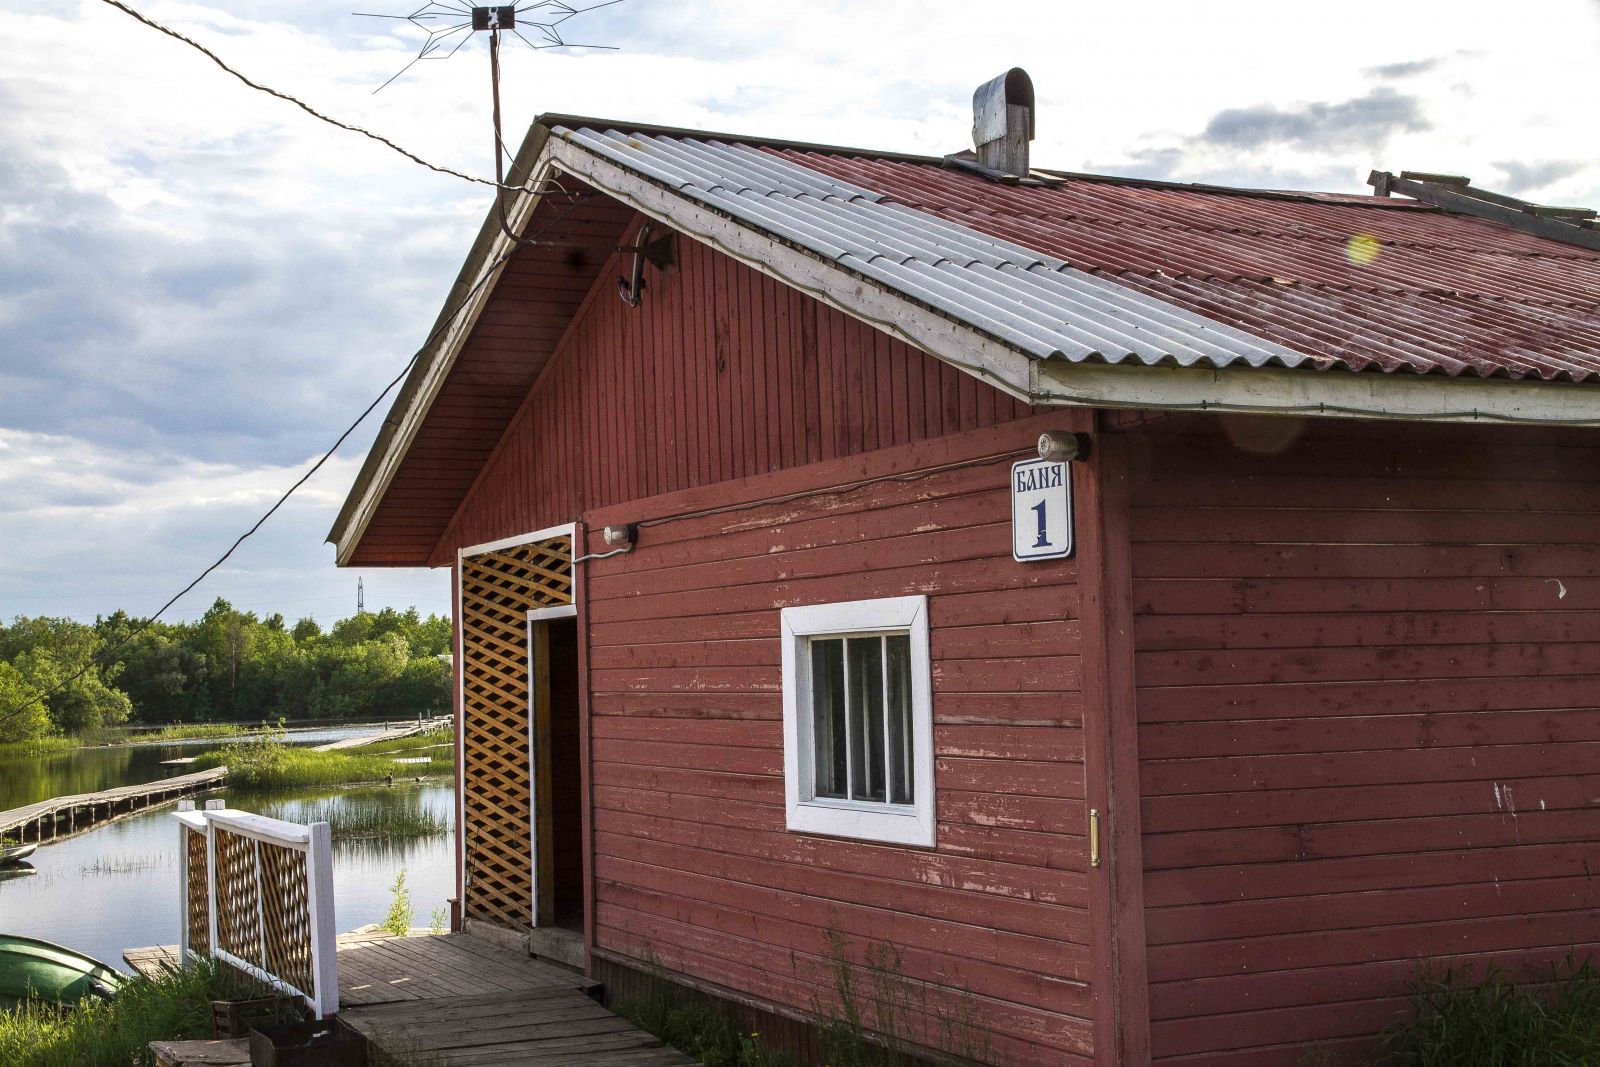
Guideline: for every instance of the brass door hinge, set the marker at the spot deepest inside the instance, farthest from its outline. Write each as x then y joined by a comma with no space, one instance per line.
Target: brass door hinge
1094,837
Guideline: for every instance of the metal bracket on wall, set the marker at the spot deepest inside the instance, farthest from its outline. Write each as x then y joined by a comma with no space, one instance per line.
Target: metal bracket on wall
1094,837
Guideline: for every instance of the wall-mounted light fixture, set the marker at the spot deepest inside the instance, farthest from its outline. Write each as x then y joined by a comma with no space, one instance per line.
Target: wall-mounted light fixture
661,252
622,536
1063,446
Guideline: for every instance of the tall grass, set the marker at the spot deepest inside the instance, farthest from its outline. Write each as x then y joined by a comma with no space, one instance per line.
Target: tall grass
696,1026
269,763
874,1015
117,1033
416,745
193,731
39,746
868,1014
1456,1020
351,821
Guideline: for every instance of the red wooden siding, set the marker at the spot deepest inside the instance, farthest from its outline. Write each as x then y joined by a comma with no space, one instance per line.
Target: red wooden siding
1369,719
721,373
522,322
728,388
693,863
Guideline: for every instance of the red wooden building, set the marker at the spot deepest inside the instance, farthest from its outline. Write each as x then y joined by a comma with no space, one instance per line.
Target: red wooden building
1312,696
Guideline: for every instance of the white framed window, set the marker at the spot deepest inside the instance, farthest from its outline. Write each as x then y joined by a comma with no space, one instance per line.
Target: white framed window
858,720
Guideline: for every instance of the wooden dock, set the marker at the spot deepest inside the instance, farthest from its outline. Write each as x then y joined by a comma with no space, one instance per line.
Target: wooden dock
60,817
393,733
452,1000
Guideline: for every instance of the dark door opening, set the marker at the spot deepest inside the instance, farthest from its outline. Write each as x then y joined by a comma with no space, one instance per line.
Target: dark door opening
563,906
557,824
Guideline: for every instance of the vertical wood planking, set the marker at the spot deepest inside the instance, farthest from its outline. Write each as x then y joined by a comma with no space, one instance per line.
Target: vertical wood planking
719,374
1111,757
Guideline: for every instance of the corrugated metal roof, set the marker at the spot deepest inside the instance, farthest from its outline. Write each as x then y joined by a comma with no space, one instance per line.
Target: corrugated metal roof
1443,293
1031,300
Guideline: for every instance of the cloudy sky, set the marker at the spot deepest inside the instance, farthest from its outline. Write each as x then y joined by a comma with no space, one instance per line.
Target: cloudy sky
200,286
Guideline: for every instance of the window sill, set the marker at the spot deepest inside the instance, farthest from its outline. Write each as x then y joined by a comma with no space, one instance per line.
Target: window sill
863,822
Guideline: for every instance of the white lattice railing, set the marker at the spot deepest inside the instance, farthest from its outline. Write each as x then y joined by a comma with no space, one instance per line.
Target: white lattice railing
257,893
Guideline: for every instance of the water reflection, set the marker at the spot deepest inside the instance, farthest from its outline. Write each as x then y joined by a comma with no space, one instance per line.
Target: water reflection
30,779
116,887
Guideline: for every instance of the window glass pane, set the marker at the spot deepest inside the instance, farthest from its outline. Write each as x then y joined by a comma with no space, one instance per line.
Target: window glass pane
902,776
865,676
827,703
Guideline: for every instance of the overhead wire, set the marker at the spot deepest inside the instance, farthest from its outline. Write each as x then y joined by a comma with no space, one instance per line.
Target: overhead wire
445,322
497,183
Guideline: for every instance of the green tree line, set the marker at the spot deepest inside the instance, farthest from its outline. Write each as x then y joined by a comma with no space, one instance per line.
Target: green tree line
226,666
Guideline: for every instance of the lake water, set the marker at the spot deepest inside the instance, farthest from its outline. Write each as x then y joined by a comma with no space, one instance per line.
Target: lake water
116,887
28,780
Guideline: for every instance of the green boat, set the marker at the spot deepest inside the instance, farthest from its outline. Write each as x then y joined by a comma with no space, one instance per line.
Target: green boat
50,973
12,853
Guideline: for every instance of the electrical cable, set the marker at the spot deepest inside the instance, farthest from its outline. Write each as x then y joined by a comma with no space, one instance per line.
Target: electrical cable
445,323
842,487
498,183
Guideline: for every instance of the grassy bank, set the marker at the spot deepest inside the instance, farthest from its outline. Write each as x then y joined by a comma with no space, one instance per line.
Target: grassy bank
191,731
41,746
118,1033
271,763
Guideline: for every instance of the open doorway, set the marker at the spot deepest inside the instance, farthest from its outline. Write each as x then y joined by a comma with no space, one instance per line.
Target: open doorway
557,815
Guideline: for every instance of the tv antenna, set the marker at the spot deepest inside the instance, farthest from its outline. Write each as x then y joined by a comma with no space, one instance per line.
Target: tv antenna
450,24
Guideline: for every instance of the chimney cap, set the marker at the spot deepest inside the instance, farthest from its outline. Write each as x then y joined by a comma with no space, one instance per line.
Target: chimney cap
1012,89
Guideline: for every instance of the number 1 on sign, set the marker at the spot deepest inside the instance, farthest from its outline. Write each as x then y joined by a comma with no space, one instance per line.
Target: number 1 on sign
1044,536
1041,510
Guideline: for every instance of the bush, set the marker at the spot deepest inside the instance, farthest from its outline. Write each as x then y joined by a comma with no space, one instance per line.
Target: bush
1495,1023
117,1033
398,920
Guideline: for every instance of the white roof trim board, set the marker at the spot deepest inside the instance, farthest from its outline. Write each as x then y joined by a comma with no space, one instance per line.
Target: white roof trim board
1036,304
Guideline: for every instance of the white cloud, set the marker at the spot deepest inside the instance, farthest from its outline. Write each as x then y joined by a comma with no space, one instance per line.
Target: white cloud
199,285
87,529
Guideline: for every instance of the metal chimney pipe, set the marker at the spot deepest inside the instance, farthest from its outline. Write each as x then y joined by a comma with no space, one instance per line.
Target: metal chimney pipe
1002,121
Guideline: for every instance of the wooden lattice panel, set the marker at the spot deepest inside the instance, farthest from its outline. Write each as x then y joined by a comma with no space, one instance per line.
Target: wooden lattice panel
497,590
238,898
198,920
286,916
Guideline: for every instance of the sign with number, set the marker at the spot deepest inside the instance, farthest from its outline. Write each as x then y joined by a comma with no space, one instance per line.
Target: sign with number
1041,510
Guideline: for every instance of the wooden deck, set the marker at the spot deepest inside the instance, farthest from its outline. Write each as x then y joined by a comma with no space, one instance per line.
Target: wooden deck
452,1000
51,820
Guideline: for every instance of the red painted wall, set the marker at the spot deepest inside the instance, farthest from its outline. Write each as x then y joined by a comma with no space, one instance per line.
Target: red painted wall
721,373
725,389
1369,719
692,859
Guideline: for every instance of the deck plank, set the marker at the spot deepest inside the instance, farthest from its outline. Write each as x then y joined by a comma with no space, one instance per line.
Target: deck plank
541,1027
458,1001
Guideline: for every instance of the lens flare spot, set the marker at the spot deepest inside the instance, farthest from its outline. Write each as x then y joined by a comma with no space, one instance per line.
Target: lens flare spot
1362,249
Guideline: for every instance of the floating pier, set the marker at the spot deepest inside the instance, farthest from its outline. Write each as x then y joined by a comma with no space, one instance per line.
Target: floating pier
51,820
